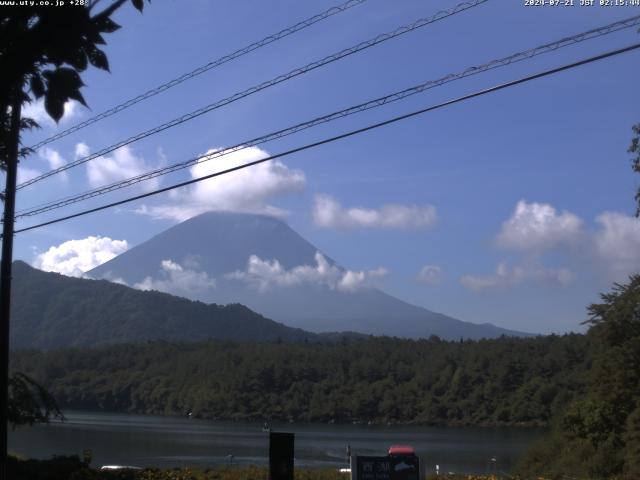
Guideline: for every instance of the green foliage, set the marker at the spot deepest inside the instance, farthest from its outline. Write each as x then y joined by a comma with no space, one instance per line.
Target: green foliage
632,442
598,436
43,50
634,149
50,310
29,402
66,83
70,468
58,468
38,41
507,381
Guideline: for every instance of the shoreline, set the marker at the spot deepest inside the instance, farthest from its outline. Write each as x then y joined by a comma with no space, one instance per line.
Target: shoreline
333,422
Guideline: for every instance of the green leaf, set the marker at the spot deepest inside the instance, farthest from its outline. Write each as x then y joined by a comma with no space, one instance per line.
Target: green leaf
30,402
106,25
78,60
63,79
37,86
77,96
98,59
27,123
54,105
138,4
62,84
93,36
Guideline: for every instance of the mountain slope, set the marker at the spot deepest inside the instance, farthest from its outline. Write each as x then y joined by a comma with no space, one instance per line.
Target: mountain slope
50,310
214,245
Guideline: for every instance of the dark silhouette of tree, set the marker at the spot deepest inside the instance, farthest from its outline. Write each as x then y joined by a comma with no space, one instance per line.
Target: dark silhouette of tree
634,149
598,436
43,51
29,402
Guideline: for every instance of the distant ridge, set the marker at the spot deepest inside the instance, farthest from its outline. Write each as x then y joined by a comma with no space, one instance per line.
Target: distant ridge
50,310
219,243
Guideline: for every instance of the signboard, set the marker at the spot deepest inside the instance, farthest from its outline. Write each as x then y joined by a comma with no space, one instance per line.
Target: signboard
391,467
281,456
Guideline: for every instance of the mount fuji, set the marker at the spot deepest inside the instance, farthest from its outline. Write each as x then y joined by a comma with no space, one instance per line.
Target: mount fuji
260,262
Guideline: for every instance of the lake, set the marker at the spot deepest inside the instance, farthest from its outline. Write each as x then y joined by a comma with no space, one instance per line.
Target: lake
145,440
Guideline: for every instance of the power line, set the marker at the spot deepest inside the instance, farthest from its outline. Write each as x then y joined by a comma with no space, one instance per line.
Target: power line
202,69
505,61
257,88
351,133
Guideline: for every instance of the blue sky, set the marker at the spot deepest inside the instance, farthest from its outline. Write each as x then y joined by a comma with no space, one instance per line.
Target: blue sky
516,207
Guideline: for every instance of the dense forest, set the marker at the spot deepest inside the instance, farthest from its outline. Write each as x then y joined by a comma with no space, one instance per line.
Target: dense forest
505,381
598,434
585,387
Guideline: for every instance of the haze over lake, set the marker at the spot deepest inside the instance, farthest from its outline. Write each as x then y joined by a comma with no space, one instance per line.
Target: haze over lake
145,440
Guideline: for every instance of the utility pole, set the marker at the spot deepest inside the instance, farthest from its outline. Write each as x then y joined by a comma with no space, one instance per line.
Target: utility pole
13,145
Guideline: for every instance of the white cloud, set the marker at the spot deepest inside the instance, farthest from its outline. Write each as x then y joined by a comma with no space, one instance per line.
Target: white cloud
538,227
247,190
355,280
328,213
25,173
120,165
613,246
54,159
265,274
37,112
506,276
430,274
75,257
617,243
82,150
174,278
52,156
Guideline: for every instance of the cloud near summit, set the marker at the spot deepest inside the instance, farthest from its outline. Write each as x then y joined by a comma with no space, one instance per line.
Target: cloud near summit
248,190
266,274
175,278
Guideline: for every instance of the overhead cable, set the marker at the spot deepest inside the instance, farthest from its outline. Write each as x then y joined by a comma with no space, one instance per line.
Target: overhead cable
516,57
202,69
351,133
257,88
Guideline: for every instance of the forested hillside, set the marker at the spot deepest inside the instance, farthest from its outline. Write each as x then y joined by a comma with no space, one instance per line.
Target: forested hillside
490,382
50,310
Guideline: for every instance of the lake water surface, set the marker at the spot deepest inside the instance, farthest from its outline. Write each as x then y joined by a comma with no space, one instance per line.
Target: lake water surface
145,440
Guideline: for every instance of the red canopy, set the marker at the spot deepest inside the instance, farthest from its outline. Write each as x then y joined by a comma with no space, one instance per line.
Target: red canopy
401,450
